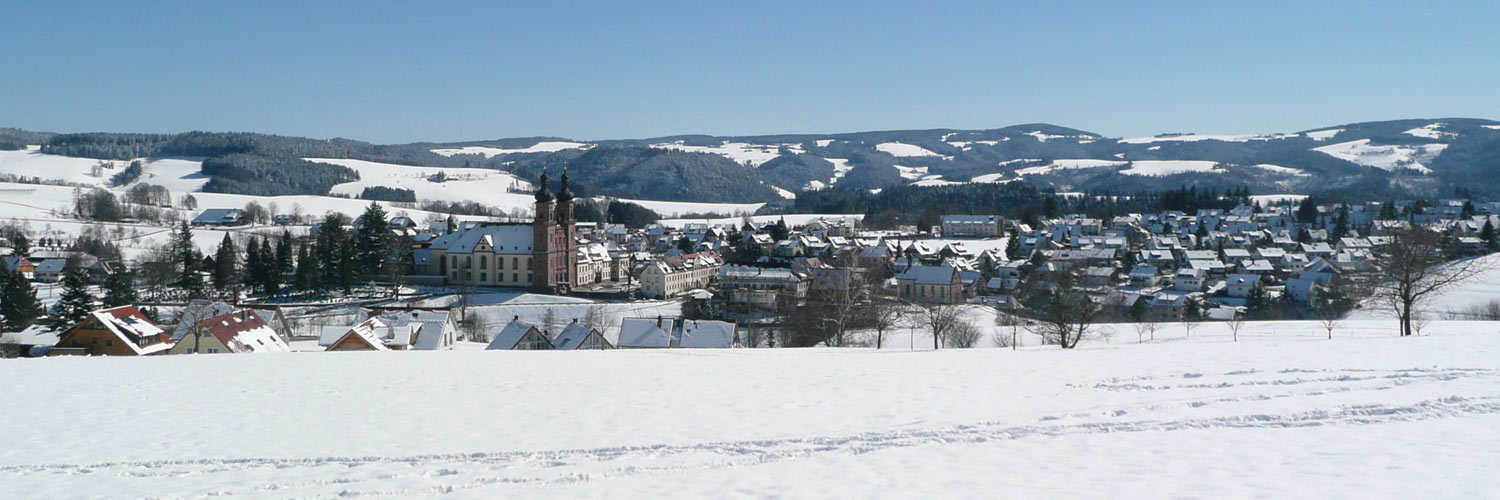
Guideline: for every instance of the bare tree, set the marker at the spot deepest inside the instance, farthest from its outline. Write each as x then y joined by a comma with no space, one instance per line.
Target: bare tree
1064,312
885,314
1147,326
1013,325
1328,318
1410,269
596,318
1188,325
963,335
939,320
549,319
1236,323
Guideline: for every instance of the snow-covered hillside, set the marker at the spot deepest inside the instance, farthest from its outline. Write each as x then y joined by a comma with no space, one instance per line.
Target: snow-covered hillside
1384,157
1283,413
489,186
740,152
489,152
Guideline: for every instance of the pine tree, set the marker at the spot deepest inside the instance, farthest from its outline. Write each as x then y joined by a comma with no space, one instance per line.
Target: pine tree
20,244
1256,303
270,279
284,253
1491,242
119,286
346,264
1307,212
187,259
255,268
373,239
307,271
226,266
76,302
18,303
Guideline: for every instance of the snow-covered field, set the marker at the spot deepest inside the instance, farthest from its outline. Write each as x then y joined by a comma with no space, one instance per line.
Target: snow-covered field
902,150
458,184
489,152
1068,164
753,154
1170,167
1384,157
1283,413
678,208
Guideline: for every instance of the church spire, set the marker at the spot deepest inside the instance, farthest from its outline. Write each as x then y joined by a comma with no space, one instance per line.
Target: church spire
563,194
542,194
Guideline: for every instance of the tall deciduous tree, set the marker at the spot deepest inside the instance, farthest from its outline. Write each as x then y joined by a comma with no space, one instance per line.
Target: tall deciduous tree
1410,269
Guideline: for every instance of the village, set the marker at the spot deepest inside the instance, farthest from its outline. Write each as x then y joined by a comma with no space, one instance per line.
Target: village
752,282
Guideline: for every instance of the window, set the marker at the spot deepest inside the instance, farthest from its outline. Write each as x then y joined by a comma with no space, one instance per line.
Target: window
484,263
483,276
500,263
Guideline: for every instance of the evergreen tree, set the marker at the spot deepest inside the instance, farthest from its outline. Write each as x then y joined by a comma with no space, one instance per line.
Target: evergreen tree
76,302
346,264
284,253
779,231
307,275
119,286
187,259
1307,212
1488,235
330,244
1341,224
18,303
270,275
452,225
20,244
1257,305
685,244
255,268
226,266
372,240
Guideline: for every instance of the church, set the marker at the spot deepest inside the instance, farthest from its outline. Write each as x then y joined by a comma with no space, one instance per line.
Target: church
540,256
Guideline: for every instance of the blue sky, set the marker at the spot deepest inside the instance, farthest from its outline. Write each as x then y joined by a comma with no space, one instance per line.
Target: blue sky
449,71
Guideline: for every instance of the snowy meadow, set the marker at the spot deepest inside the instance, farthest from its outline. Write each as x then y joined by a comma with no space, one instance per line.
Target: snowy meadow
1282,412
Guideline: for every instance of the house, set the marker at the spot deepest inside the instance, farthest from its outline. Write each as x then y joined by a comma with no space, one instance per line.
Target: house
519,336
933,284
673,275
759,288
1301,289
973,226
435,328
220,217
1100,276
1240,285
194,313
49,270
1189,280
579,337
1144,276
240,331
120,331
362,337
15,263
664,333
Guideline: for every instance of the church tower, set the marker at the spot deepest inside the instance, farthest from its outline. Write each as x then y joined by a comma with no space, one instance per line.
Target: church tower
554,251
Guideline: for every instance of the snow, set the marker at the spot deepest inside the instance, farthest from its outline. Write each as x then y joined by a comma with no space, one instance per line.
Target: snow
1044,137
1491,127
1392,158
1431,131
489,152
1170,167
823,143
840,168
740,152
678,208
488,186
903,150
1276,199
1456,302
935,180
177,174
1280,169
784,193
792,220
1191,138
1323,135
994,178
913,173
1283,413
1068,164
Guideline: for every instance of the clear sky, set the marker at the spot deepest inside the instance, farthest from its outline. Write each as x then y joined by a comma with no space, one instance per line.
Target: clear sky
449,71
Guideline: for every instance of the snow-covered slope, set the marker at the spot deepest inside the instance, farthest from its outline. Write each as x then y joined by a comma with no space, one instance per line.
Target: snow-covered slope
1393,157
1283,413
744,153
1170,167
458,184
489,152
902,150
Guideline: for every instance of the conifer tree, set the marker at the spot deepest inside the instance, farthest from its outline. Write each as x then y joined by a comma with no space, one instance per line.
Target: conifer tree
185,255
284,253
76,302
1491,241
226,266
307,271
255,268
372,239
119,286
18,303
270,279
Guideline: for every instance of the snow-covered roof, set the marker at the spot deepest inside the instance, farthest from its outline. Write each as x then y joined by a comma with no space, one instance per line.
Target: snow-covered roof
572,336
504,238
244,332
511,335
